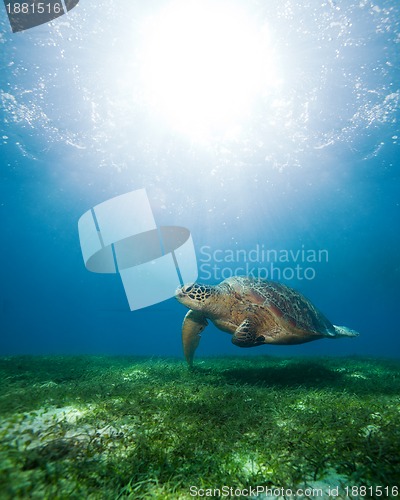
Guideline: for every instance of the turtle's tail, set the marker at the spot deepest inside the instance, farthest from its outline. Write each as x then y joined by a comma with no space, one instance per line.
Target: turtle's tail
343,331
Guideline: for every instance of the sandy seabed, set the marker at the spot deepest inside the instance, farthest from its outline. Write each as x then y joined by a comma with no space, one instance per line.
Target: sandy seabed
257,427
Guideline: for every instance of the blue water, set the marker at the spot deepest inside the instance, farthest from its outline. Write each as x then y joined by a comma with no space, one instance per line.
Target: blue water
315,167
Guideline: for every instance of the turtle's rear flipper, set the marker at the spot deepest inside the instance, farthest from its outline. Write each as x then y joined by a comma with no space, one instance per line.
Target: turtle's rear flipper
193,324
343,331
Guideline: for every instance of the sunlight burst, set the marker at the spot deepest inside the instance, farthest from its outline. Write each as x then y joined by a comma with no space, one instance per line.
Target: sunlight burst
204,66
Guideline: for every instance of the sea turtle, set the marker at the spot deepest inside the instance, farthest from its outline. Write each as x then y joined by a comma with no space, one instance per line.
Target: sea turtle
255,311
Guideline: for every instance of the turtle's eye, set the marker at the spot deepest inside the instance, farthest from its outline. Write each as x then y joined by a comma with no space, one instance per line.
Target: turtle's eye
197,292
260,339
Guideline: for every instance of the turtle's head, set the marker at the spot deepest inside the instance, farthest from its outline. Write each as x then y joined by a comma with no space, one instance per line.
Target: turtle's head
195,296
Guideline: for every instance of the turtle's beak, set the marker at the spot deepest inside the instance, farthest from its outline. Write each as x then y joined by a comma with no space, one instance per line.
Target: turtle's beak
193,295
182,292
178,293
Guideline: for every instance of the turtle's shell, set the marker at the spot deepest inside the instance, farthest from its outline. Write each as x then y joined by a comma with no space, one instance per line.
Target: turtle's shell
290,306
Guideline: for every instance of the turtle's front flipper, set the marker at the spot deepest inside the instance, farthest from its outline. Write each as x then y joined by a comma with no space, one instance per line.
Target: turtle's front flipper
193,324
246,335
